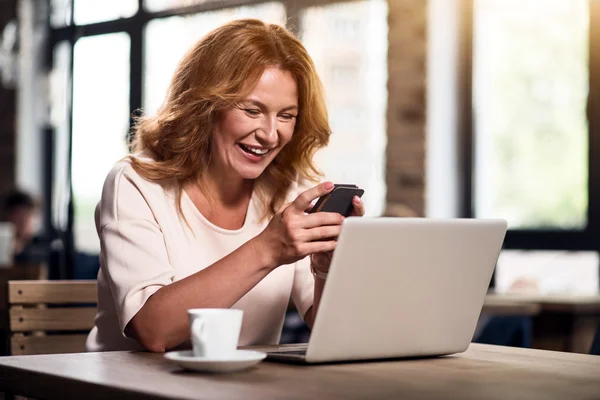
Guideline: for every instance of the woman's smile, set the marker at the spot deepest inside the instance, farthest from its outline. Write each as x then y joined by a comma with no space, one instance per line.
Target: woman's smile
254,153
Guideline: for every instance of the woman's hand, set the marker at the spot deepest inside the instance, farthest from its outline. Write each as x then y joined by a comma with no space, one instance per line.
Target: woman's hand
322,261
292,234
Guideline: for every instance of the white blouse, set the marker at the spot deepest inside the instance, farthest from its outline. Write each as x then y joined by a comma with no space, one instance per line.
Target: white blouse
145,245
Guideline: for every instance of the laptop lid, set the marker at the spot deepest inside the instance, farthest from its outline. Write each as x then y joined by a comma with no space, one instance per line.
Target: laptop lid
404,287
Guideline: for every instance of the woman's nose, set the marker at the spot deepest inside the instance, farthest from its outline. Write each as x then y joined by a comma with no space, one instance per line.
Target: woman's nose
267,133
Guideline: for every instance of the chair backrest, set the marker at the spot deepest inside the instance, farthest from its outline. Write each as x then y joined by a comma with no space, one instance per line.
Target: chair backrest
17,273
48,317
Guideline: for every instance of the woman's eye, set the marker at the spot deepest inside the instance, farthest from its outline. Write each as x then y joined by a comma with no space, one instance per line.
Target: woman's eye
252,111
288,117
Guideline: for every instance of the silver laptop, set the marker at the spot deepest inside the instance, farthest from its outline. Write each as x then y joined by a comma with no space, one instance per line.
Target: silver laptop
402,287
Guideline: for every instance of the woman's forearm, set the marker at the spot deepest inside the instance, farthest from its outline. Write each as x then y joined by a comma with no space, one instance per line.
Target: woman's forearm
162,323
311,314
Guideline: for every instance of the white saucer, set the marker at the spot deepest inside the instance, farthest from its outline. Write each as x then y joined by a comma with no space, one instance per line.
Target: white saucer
240,360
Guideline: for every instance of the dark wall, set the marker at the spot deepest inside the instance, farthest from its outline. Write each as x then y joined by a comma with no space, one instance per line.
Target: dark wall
8,11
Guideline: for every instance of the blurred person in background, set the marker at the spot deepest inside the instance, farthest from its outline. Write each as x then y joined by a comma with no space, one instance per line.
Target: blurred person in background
22,210
210,210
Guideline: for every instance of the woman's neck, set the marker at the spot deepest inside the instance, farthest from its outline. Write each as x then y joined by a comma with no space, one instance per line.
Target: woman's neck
223,202
227,192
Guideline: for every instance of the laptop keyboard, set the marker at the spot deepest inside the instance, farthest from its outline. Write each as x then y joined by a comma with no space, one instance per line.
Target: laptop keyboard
293,352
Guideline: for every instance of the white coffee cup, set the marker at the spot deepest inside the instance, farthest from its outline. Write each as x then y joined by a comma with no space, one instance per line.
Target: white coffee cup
7,239
215,332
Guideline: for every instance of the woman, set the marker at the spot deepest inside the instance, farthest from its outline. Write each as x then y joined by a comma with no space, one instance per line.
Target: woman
209,211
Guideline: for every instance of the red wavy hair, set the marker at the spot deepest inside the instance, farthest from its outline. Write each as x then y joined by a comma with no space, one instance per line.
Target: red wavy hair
216,73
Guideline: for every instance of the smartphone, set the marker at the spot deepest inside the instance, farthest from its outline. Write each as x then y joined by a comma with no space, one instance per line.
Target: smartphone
339,200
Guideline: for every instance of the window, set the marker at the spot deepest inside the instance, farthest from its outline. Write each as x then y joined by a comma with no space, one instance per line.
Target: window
531,149
167,40
552,271
60,13
531,152
60,114
530,62
161,5
347,39
100,124
348,43
93,11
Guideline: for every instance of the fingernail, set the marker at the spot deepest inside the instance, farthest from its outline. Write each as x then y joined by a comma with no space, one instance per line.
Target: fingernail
357,200
328,185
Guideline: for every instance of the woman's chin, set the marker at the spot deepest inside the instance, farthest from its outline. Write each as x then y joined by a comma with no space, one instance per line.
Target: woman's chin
250,173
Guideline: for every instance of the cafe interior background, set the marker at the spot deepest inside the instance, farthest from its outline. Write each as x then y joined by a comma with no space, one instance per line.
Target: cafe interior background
439,109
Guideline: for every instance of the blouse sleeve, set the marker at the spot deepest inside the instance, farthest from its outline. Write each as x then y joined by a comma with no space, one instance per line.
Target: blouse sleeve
135,260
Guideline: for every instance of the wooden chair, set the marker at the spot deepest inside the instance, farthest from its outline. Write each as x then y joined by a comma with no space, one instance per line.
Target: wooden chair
17,272
49,317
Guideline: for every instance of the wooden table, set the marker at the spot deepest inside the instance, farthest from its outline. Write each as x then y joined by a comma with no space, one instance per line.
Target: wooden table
501,305
482,372
561,322
548,302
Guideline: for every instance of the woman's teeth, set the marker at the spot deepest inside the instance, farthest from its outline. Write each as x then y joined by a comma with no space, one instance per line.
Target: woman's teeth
254,150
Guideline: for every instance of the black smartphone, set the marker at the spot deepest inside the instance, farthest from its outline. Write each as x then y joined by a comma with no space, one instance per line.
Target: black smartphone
339,200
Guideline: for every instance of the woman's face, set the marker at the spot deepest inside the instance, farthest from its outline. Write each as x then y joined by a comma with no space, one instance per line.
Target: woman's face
247,138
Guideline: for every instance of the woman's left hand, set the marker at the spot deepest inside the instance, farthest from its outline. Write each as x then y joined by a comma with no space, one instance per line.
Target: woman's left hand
322,261
359,207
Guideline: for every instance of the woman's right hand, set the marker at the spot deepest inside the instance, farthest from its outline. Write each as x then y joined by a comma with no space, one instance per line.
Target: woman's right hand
292,234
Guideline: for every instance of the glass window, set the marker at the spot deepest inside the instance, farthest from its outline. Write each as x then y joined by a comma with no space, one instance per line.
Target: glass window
530,90
100,124
60,13
92,11
547,272
167,40
60,112
348,43
161,5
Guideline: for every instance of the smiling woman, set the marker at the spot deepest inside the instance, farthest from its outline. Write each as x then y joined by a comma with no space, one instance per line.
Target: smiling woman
218,74
257,128
195,217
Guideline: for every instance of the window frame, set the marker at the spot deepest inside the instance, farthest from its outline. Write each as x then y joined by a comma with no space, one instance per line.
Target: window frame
533,239
134,26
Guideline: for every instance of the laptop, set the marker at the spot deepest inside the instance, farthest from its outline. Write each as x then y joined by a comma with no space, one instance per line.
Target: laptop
401,287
